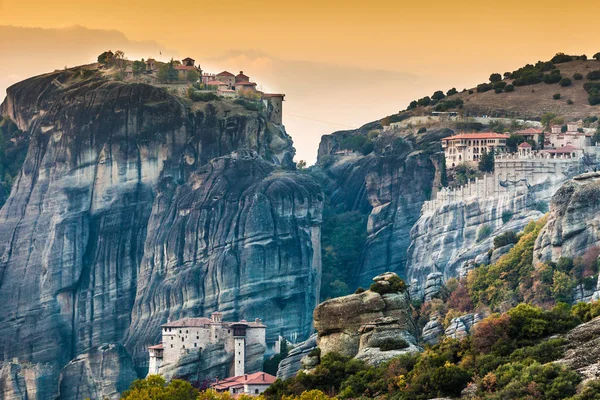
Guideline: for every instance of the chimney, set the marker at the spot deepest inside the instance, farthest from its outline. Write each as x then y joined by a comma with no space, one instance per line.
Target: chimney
242,72
257,320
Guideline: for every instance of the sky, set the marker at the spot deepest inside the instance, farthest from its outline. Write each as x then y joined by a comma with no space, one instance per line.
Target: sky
341,64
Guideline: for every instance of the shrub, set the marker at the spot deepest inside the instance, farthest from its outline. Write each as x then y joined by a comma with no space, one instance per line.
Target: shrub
509,88
594,97
483,232
506,238
561,58
577,76
247,104
593,75
484,87
393,285
556,96
359,290
200,96
498,90
451,92
316,352
422,130
564,82
552,78
570,102
448,104
495,77
393,344
507,215
540,206
425,101
438,95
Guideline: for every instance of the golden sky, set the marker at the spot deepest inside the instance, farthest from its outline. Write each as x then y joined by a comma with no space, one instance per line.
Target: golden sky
341,63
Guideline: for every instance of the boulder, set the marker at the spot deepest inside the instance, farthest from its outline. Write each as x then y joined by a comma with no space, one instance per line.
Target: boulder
432,331
461,326
433,285
354,324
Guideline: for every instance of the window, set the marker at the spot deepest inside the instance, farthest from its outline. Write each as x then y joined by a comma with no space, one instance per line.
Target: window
197,337
183,347
171,346
171,337
186,331
239,362
255,391
182,339
228,330
195,344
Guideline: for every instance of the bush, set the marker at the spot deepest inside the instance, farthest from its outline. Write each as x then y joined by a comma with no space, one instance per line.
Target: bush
498,90
483,232
495,77
564,82
448,104
316,352
507,215
422,130
506,238
562,58
509,88
484,87
541,206
570,102
438,95
594,97
202,96
394,285
359,290
593,75
451,92
393,344
425,101
552,78
556,96
577,76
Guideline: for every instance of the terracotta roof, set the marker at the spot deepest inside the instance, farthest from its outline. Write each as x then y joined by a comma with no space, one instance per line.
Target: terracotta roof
257,378
225,73
188,59
201,322
241,77
482,135
150,60
184,67
273,95
245,84
216,83
525,145
156,346
530,131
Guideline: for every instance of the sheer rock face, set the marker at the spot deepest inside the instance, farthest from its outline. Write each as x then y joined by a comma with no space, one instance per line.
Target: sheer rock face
582,349
390,185
238,237
574,220
349,325
102,372
83,254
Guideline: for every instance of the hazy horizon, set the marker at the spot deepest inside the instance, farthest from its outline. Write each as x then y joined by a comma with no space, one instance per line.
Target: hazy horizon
340,64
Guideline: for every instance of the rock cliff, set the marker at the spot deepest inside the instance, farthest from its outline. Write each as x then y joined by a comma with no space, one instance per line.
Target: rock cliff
131,208
389,185
574,220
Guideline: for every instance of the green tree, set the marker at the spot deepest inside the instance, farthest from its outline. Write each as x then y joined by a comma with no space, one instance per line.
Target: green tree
486,162
154,387
438,95
138,67
106,57
192,76
495,77
514,141
562,287
597,56
451,92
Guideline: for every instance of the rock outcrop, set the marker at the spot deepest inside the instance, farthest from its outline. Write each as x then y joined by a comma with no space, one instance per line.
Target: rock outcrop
289,366
120,219
433,285
460,327
582,349
432,331
574,220
357,325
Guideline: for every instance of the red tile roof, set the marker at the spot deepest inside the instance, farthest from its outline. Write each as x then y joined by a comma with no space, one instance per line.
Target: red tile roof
245,84
273,95
257,378
201,322
156,346
226,73
482,135
216,83
525,145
